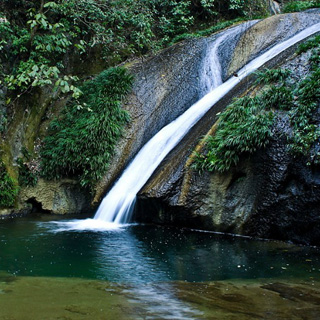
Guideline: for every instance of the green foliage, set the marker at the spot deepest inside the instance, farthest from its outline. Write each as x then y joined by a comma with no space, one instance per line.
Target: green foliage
244,127
206,32
8,188
82,140
277,93
237,5
35,50
314,45
29,170
36,37
310,44
268,76
278,97
296,6
121,28
248,8
315,59
306,132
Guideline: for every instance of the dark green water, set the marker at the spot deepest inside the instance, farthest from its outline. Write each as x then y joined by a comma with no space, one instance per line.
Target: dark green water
138,254
149,272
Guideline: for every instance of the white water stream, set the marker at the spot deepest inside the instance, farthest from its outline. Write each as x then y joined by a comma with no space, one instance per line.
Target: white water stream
116,208
119,203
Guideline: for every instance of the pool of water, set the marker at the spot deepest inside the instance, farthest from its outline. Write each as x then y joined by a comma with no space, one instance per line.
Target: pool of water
150,272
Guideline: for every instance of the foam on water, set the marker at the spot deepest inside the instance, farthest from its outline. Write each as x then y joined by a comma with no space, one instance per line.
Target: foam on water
84,225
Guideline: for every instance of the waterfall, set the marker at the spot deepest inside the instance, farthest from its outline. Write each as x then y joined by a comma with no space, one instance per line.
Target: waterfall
118,204
211,75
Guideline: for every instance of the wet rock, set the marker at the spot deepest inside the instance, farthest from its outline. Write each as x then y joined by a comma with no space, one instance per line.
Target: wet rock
270,194
58,197
267,32
165,86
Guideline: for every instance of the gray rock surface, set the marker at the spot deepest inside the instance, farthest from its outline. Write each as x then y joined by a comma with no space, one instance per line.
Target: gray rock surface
269,195
165,86
57,197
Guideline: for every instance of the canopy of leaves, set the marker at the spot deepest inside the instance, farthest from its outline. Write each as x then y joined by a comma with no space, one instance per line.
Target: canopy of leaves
37,38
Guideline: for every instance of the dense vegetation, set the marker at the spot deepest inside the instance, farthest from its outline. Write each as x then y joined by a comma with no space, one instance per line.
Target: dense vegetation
81,141
295,6
36,36
42,43
8,188
247,124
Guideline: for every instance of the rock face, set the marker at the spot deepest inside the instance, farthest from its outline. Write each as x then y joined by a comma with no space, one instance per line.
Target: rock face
169,83
165,86
58,197
267,32
270,195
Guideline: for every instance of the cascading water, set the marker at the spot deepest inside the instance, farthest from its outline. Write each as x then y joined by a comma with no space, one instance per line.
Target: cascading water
211,76
117,206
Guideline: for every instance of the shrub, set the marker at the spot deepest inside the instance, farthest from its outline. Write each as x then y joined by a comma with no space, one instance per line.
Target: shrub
268,76
306,132
8,188
244,127
310,44
82,140
296,6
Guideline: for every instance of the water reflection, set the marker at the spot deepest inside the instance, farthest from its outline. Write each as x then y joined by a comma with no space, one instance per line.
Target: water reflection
122,257
142,254
146,260
159,301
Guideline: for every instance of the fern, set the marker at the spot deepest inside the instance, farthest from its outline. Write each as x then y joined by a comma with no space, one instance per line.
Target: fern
82,140
244,127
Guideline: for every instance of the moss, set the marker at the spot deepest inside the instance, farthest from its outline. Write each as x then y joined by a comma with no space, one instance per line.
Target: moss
23,129
8,188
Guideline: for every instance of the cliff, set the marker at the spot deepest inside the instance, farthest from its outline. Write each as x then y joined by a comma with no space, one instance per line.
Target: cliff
271,194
